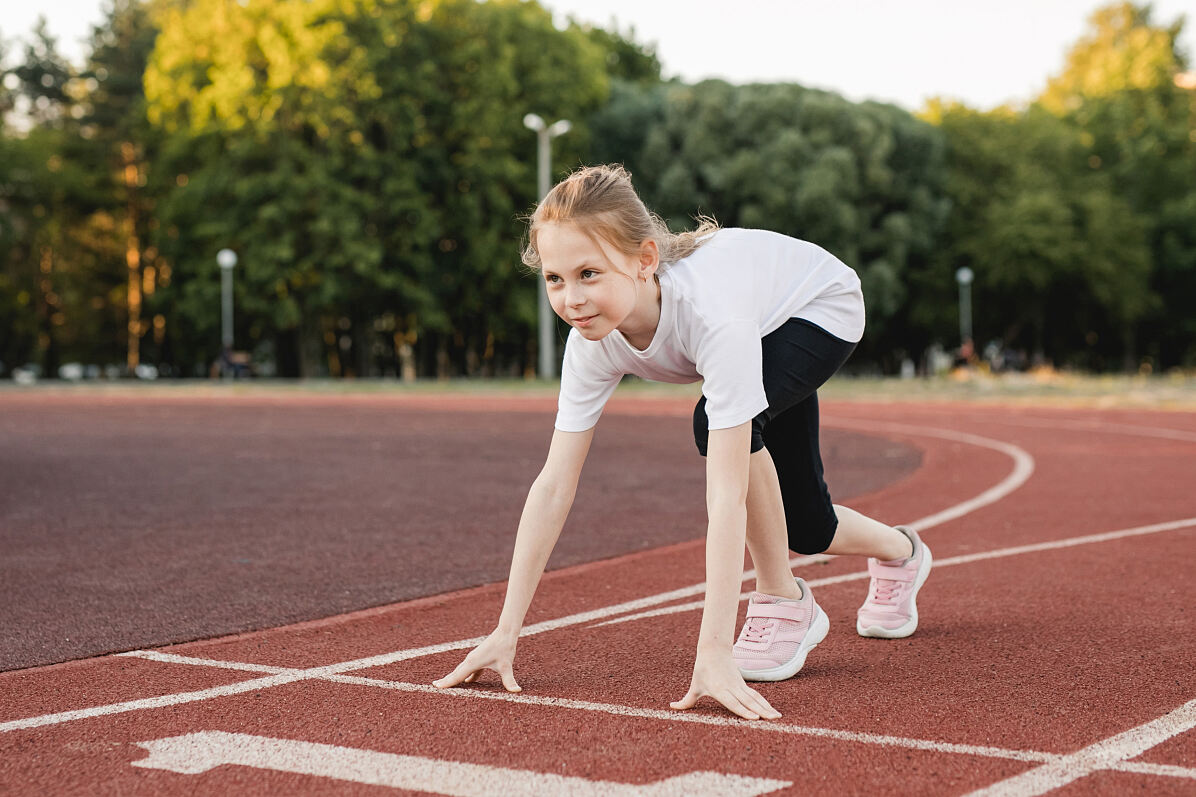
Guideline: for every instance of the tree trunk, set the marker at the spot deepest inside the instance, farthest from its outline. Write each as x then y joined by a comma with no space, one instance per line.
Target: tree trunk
287,353
1129,362
443,366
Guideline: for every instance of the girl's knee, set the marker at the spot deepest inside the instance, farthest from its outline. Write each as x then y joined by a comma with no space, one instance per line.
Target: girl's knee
814,535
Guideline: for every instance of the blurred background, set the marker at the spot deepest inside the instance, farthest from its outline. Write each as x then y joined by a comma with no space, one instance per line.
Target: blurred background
1016,187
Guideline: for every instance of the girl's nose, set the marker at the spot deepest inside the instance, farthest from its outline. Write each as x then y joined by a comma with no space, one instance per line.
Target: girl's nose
574,297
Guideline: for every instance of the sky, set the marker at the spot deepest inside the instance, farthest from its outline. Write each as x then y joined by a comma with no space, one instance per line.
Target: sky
980,52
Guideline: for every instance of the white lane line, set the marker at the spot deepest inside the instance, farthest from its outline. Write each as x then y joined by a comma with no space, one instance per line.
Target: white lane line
150,702
1147,768
706,719
1033,756
321,674
194,753
938,563
174,658
1105,754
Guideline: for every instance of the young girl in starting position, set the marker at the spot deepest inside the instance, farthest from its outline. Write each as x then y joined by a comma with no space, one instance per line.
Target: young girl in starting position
763,320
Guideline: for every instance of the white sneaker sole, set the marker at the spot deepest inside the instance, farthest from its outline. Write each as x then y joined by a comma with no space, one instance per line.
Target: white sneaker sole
911,625
816,634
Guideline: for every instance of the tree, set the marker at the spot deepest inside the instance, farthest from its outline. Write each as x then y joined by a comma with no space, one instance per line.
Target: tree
43,193
1121,90
1061,261
113,131
366,159
863,180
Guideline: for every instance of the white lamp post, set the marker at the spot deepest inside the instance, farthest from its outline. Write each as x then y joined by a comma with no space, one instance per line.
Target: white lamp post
964,277
545,134
226,259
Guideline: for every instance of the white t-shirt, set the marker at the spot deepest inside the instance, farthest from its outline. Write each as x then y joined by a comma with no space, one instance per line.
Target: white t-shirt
715,306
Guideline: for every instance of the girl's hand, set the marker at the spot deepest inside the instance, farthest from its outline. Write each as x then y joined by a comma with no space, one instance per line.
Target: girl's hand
497,652
717,676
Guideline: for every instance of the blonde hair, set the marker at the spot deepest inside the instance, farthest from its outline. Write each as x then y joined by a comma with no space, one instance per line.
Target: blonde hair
602,202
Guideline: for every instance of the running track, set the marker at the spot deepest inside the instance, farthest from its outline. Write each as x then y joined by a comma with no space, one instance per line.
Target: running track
1054,655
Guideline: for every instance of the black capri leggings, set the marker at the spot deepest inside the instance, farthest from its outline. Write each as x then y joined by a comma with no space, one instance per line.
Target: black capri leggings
798,357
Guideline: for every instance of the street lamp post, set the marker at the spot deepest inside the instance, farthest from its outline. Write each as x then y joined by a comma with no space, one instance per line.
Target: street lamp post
545,134
964,277
226,259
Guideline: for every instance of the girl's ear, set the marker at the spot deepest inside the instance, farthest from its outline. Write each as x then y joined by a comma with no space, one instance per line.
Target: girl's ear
649,259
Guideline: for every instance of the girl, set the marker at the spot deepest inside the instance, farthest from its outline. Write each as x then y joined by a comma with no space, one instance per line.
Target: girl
763,320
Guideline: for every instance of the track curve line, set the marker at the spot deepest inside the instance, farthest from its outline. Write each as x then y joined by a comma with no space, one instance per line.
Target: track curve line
1023,464
1023,468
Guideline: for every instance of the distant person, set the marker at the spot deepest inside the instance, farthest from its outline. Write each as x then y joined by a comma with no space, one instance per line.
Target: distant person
965,356
763,319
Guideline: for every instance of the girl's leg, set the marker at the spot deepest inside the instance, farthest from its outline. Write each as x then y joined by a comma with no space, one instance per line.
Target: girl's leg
863,536
767,537
812,522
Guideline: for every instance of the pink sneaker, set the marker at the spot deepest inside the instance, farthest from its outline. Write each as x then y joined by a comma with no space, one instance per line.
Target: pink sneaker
890,611
777,635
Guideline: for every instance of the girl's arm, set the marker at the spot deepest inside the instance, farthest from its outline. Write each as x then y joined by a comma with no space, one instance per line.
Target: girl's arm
544,512
548,504
715,673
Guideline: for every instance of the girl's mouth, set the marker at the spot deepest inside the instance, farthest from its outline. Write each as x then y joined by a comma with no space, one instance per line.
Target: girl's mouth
584,322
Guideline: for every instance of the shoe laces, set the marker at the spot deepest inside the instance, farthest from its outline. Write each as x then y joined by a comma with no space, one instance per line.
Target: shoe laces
756,629
885,591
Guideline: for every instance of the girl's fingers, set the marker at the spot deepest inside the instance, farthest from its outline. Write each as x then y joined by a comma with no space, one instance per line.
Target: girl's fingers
755,701
686,702
464,673
733,704
507,674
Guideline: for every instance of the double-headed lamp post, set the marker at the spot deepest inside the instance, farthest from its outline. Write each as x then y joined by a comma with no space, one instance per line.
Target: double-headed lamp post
964,277
226,259
545,134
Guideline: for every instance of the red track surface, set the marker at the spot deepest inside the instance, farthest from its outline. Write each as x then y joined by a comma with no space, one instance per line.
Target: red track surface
1048,659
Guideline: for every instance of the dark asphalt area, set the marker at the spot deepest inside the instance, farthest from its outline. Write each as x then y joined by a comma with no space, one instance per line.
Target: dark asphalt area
129,523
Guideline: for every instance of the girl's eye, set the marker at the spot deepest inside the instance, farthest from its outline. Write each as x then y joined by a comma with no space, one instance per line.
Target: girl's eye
552,278
587,271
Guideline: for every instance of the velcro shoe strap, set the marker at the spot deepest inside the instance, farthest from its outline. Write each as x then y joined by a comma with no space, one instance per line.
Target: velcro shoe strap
781,611
877,570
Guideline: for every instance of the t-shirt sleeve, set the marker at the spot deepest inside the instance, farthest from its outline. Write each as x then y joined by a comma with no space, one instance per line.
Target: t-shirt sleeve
730,361
587,382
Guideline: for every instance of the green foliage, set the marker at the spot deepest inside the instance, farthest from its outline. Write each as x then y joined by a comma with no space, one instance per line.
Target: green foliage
1136,121
368,162
861,180
366,159
625,58
1123,51
1058,256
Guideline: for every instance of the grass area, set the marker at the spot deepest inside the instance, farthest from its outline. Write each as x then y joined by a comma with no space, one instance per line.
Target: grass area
1171,391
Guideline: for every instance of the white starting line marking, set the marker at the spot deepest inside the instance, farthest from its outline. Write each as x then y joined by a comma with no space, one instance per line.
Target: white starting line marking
198,752
1106,754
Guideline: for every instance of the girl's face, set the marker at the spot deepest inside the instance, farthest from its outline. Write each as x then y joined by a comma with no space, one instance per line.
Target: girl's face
591,285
